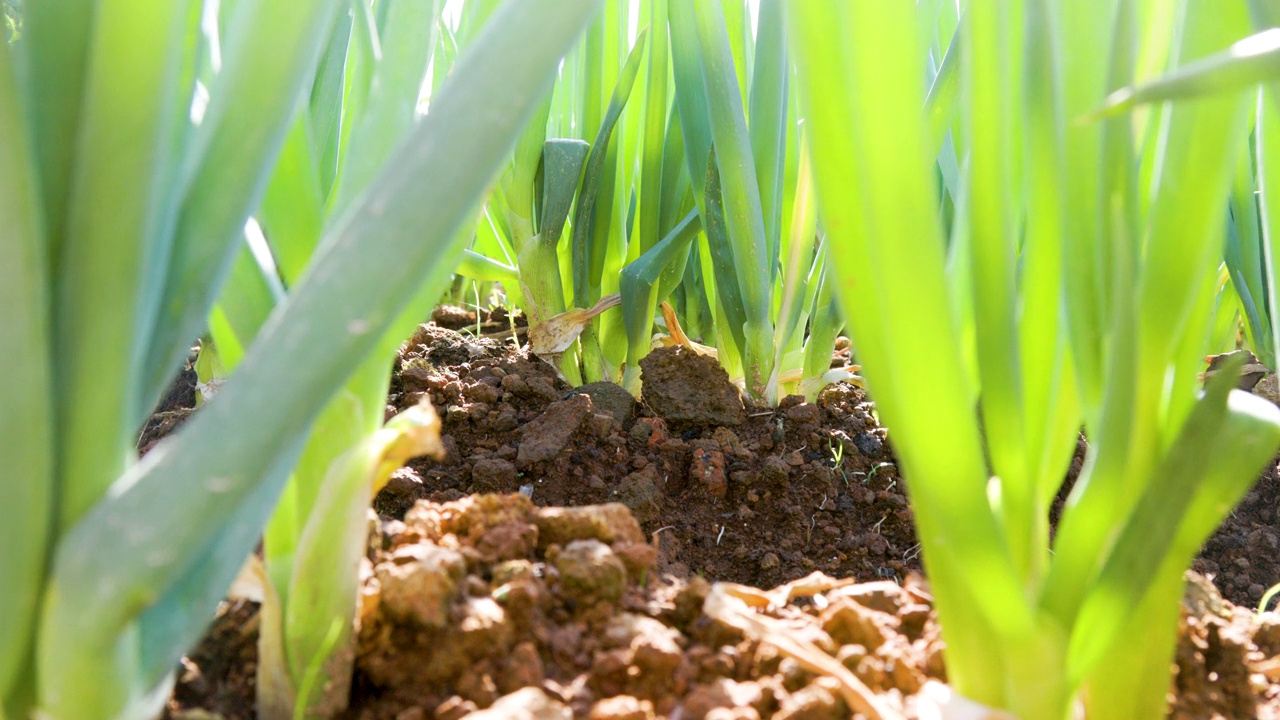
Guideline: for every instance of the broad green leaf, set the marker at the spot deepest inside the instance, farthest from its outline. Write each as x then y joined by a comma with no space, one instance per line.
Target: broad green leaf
114,235
562,163
57,39
27,440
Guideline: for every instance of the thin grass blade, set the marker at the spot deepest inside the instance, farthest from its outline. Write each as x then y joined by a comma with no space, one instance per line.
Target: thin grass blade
1253,60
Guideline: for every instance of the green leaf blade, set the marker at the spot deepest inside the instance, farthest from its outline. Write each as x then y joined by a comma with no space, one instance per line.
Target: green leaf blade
114,234
740,192
27,441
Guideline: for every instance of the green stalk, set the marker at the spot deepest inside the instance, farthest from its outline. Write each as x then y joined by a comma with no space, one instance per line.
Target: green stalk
27,440
1050,398
744,219
592,236
1087,224
309,635
1243,256
1165,465
992,73
540,280
644,284
888,142
870,142
56,38
649,228
767,109
796,298
292,212
122,176
1267,138
324,110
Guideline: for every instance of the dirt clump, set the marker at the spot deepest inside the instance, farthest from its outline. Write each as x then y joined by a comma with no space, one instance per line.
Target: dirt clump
684,387
781,493
557,613
549,433
600,637
1228,658
611,399
580,616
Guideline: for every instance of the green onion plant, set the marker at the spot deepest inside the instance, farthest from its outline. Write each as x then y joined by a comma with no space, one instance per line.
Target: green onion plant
645,161
314,539
125,204
1014,266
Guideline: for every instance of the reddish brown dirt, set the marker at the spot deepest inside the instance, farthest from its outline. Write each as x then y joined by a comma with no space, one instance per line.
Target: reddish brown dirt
178,403
749,495
758,502
219,674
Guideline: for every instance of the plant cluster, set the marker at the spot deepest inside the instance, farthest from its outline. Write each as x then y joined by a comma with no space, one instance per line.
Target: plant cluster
640,181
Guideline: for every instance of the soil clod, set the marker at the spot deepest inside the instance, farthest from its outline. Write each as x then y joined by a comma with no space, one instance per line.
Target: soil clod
683,387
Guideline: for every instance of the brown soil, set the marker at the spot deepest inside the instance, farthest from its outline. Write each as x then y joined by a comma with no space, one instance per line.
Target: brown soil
723,492
178,403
